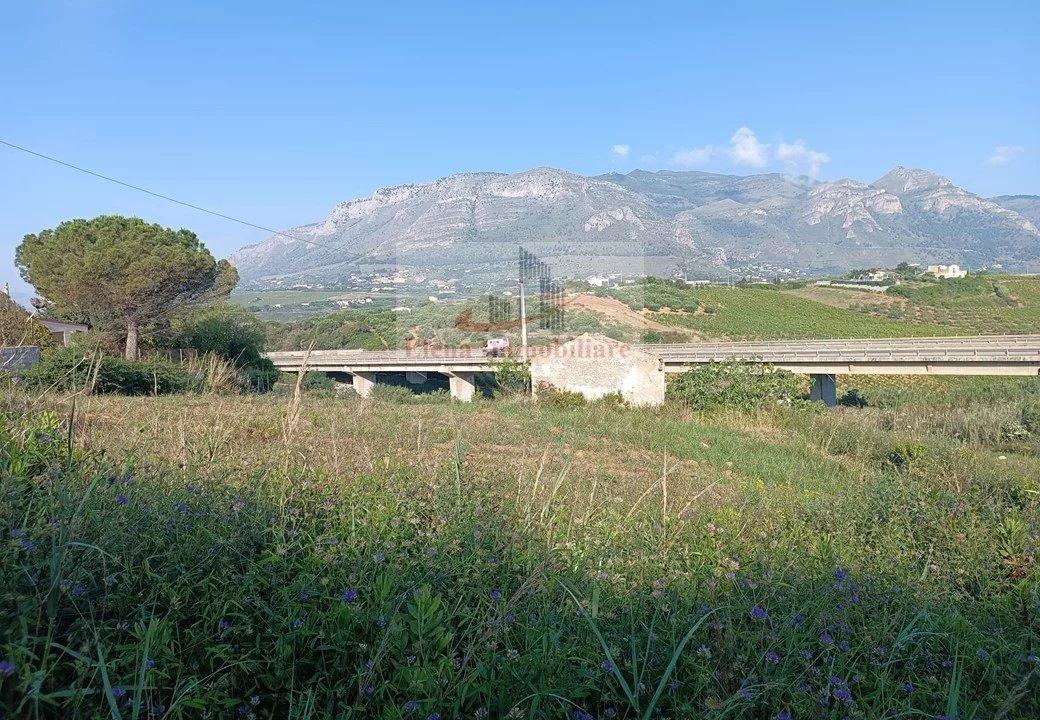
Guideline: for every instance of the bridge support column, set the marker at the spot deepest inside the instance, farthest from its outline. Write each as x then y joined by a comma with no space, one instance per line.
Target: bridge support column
461,386
363,383
824,389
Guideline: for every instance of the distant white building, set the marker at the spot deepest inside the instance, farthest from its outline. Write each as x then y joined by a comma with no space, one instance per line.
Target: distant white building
873,276
597,281
945,271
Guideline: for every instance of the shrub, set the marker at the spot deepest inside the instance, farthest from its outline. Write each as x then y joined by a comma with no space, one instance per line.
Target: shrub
317,381
262,375
651,336
557,398
68,369
512,377
18,327
853,398
741,385
904,455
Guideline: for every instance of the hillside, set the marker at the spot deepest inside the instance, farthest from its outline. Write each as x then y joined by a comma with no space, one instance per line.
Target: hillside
663,311
468,227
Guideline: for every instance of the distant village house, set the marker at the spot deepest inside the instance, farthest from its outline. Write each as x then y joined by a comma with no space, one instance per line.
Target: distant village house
945,271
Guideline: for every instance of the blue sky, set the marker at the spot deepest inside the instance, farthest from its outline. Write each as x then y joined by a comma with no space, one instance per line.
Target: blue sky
275,111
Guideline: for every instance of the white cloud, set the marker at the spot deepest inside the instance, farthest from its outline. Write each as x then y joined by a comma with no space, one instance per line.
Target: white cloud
620,151
648,159
1003,154
695,157
745,149
801,159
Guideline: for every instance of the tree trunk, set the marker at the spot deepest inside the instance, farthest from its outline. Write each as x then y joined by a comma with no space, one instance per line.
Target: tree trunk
131,339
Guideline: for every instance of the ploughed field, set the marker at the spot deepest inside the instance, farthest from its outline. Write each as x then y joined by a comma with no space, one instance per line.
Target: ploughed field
201,556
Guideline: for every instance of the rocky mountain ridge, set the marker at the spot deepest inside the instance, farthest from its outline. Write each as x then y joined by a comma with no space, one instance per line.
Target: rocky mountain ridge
660,222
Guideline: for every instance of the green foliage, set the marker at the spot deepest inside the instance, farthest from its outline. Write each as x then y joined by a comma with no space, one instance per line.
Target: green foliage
905,455
556,398
262,375
512,377
429,578
741,385
229,331
853,398
121,274
317,381
69,369
654,293
1031,418
18,327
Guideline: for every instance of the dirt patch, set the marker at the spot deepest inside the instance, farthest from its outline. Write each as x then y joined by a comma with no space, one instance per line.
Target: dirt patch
615,312
847,298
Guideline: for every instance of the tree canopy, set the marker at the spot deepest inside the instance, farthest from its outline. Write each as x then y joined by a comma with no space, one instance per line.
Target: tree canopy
122,274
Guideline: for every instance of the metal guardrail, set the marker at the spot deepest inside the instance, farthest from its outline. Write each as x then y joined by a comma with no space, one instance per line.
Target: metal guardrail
978,349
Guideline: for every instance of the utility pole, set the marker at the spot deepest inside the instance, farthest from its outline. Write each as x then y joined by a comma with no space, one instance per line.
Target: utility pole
523,322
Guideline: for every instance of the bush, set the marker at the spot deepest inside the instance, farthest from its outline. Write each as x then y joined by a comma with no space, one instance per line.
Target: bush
69,369
18,327
512,377
904,455
741,385
262,375
557,398
226,330
853,398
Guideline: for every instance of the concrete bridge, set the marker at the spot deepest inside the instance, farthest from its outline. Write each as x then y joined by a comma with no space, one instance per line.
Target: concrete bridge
823,360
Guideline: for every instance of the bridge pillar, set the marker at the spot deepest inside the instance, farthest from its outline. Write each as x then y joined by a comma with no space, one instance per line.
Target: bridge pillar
363,383
824,389
461,386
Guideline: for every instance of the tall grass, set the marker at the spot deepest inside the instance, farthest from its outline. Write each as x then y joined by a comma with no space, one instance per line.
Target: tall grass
505,560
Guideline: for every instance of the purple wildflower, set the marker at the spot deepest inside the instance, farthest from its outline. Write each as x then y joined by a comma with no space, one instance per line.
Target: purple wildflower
16,533
349,596
433,716
367,690
582,715
28,545
907,687
182,508
118,692
411,706
238,505
122,499
149,664
496,595
826,639
840,574
745,693
844,694
608,666
224,624
758,612
783,715
6,668
772,657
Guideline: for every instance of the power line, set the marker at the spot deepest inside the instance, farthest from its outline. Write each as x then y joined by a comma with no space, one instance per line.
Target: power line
164,197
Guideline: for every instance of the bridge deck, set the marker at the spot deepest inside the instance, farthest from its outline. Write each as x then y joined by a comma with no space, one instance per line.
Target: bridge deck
980,355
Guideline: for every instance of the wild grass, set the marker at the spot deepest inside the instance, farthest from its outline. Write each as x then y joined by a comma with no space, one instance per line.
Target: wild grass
186,557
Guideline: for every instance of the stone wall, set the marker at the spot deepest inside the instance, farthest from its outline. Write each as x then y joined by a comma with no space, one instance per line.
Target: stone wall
595,365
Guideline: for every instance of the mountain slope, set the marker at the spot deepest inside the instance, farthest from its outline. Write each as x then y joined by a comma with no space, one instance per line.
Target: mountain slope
650,222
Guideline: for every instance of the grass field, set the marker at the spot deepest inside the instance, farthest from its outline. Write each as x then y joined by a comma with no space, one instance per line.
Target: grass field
257,556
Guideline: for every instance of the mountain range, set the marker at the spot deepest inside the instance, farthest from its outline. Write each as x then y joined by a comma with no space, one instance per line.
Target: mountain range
662,222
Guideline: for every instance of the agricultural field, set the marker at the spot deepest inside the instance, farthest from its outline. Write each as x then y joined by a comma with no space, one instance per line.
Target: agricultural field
308,556
982,304
661,311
